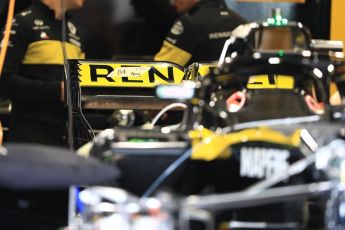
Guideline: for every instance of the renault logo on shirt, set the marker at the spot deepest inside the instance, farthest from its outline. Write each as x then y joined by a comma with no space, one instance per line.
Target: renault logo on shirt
219,35
38,22
39,25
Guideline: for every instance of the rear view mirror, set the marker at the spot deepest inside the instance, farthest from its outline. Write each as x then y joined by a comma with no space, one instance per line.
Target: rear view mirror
275,38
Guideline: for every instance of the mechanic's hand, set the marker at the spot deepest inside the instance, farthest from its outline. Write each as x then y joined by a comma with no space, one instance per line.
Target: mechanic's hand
314,105
62,91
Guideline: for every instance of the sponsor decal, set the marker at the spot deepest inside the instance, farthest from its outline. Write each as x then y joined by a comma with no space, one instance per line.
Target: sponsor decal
26,13
40,28
75,42
38,22
172,41
263,162
44,35
73,34
14,22
71,27
177,28
39,25
218,35
98,74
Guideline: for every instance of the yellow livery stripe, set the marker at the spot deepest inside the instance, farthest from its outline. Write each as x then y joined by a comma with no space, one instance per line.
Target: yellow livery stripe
263,82
50,52
207,145
172,53
205,68
335,98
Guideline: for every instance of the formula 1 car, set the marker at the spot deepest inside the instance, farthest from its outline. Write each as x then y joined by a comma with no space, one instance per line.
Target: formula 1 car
260,113
235,133
121,93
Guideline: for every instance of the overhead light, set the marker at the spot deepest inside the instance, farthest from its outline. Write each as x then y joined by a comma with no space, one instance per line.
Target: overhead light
330,68
306,53
317,72
274,60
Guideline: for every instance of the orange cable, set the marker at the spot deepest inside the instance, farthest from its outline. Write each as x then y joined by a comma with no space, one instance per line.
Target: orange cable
1,134
7,32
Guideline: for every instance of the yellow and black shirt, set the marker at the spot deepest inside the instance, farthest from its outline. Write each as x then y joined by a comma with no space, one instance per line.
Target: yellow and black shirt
199,36
34,68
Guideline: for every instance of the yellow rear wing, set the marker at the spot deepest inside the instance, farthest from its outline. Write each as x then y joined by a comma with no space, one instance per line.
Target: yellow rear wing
128,74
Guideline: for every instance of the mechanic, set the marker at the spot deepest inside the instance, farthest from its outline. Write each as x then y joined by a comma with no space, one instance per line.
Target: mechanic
199,35
33,72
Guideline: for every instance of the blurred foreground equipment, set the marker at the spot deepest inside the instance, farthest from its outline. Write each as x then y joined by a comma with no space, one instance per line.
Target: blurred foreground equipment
25,166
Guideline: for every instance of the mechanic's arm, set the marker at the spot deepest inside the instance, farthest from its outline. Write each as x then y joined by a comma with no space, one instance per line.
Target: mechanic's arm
178,46
16,87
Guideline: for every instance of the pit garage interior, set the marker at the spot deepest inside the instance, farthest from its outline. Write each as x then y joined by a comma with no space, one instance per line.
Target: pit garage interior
254,139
